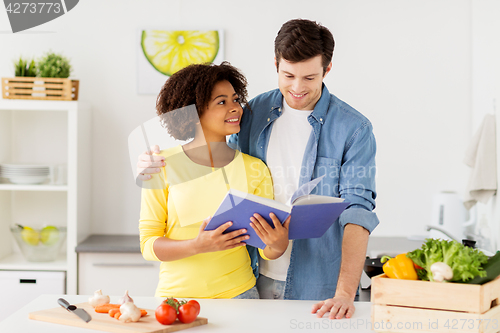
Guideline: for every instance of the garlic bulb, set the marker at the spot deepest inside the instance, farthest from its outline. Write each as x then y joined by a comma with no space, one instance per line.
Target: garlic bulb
98,299
129,312
126,298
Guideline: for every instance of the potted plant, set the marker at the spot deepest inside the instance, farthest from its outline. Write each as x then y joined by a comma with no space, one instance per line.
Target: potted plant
51,82
23,68
53,65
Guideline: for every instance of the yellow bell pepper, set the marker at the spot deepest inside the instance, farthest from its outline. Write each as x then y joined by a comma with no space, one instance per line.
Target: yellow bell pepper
399,267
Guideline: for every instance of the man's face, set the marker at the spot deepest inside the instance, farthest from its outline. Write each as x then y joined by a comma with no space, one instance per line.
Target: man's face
300,82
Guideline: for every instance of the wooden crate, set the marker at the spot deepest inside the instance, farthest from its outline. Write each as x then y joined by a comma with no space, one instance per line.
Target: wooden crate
40,88
423,306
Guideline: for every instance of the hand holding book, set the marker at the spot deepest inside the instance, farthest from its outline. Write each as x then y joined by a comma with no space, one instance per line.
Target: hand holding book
310,215
275,239
219,239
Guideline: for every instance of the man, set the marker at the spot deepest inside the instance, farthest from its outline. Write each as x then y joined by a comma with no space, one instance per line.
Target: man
303,132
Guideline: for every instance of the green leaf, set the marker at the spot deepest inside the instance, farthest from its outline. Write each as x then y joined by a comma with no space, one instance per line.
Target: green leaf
465,262
20,67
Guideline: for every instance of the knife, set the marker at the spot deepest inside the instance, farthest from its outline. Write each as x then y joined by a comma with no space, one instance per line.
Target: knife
71,308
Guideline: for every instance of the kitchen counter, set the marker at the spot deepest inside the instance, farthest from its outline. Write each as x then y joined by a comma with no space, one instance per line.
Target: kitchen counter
224,315
130,244
391,246
110,244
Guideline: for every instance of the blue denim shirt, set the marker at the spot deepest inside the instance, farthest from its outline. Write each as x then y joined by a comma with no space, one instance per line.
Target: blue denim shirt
341,147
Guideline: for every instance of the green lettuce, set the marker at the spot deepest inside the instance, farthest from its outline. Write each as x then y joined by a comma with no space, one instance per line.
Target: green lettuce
464,261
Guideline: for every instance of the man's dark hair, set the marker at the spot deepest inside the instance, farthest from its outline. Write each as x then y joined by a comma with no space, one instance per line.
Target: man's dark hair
193,85
301,39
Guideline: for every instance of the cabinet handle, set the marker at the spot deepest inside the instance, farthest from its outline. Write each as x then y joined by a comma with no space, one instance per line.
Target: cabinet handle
123,264
28,281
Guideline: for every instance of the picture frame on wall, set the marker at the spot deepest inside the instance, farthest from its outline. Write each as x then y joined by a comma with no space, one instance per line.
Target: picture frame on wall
162,52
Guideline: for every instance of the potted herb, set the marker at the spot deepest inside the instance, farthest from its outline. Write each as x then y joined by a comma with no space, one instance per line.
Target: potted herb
54,65
46,78
23,68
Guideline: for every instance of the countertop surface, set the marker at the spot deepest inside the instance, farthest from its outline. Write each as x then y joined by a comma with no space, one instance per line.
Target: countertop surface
392,246
377,246
110,244
224,315
130,244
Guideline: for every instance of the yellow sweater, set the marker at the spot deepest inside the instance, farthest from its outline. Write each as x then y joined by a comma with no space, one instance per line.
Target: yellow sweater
177,201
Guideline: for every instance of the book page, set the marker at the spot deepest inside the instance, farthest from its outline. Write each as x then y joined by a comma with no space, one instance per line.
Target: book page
263,201
314,199
306,189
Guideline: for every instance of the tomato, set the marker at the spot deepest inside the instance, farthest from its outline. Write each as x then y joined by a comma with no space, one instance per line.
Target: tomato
187,313
173,302
165,314
196,305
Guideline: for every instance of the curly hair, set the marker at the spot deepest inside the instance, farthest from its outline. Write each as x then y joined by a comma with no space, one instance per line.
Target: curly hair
301,39
190,86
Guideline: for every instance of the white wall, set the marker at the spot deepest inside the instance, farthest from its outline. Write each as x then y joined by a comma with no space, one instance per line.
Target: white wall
405,64
486,88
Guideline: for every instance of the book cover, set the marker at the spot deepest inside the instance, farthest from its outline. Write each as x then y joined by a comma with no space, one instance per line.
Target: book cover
312,215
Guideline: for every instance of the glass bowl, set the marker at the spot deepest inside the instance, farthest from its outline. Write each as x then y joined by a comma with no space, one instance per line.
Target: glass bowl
39,245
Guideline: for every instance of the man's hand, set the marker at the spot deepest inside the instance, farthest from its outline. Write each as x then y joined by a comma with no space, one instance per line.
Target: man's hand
338,307
354,245
148,164
216,240
276,239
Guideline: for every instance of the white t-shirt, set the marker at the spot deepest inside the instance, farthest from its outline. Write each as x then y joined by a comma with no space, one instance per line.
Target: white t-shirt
289,136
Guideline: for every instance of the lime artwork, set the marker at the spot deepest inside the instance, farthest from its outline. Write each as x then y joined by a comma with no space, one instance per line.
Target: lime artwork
169,51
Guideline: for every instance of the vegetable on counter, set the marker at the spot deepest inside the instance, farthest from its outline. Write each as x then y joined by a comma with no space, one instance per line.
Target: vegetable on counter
115,313
126,298
492,269
165,313
465,262
196,305
399,267
98,299
171,309
106,307
129,313
187,313
441,272
126,310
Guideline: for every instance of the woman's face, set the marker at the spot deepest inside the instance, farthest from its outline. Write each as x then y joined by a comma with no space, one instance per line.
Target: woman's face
223,114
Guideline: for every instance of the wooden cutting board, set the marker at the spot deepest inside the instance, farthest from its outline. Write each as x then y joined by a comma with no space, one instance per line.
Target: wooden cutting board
103,322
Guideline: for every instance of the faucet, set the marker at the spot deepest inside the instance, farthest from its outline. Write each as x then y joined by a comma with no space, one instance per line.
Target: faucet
429,228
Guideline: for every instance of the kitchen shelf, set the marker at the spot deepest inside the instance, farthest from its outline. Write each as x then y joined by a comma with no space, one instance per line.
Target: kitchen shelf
19,187
37,105
46,133
17,262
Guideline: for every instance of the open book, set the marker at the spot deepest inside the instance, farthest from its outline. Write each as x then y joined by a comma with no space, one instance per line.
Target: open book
311,214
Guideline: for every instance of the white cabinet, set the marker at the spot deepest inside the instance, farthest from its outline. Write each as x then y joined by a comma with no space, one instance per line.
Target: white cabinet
21,287
114,273
45,132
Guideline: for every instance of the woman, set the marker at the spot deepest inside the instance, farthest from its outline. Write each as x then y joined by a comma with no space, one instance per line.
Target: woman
198,263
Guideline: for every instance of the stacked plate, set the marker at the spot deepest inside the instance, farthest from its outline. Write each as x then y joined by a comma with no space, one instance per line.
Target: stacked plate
24,173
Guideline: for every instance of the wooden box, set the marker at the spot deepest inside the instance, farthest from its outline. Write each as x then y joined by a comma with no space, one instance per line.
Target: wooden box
423,306
40,88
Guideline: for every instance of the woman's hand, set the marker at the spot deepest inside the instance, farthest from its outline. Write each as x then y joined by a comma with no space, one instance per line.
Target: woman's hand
215,240
276,239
